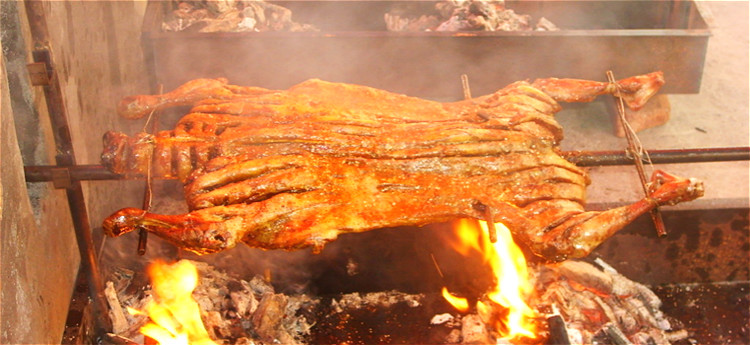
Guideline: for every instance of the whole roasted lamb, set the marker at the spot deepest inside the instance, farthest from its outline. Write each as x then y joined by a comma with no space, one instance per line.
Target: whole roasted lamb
295,168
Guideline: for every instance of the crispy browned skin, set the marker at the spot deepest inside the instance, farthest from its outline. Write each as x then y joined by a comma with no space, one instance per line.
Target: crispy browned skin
295,168
135,107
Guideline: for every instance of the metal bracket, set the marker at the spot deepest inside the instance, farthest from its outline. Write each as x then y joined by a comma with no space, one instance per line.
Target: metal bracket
38,73
61,178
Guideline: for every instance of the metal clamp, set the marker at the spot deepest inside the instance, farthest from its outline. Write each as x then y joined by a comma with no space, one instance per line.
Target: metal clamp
38,73
61,178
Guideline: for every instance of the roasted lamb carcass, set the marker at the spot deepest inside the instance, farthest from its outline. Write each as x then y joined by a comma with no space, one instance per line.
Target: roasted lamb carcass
295,168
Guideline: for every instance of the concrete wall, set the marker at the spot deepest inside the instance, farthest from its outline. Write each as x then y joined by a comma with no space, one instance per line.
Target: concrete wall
39,258
96,50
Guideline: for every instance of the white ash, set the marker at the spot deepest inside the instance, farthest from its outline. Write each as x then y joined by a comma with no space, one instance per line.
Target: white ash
597,306
231,309
597,303
352,268
474,331
545,25
231,16
440,319
453,16
454,337
378,299
448,320
117,315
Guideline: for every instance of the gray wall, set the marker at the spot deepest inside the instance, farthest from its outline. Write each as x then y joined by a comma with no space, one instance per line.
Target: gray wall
95,47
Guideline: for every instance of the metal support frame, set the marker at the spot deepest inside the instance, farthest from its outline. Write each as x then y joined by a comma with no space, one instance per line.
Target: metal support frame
65,158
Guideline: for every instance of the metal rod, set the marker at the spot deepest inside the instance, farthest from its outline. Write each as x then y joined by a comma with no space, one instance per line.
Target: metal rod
65,157
704,155
44,173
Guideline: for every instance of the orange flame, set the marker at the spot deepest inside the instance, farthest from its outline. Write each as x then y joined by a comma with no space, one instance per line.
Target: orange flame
508,265
460,303
175,315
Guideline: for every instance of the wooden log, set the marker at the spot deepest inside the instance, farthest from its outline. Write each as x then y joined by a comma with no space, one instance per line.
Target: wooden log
119,321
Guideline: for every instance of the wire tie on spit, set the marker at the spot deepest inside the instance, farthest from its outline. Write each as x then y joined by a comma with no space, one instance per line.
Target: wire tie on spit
151,115
148,193
636,149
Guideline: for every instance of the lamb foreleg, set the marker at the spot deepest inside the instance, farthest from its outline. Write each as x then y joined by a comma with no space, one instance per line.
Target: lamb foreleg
635,91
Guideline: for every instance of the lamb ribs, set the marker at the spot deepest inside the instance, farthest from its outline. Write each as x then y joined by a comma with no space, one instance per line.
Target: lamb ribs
295,168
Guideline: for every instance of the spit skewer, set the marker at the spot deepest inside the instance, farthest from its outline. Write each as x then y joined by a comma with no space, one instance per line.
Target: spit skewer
97,172
487,212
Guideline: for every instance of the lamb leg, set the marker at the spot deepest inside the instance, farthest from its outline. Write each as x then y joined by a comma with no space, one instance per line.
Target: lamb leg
200,232
635,91
190,93
581,233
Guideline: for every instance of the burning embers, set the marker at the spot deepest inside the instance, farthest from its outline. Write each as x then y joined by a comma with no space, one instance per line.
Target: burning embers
174,309
590,305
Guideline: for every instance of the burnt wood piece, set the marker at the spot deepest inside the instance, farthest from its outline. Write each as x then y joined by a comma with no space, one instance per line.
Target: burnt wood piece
558,333
295,168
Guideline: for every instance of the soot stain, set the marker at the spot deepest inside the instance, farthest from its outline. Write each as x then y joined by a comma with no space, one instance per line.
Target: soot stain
702,273
716,238
740,225
732,275
672,252
710,257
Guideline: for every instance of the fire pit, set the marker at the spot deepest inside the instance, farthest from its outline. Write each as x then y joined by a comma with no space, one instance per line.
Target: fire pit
391,306
594,306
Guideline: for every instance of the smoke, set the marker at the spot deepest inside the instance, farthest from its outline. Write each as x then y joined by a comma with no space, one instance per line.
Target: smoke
353,47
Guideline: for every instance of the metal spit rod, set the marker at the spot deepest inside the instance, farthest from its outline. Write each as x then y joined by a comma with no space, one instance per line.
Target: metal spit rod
702,155
48,173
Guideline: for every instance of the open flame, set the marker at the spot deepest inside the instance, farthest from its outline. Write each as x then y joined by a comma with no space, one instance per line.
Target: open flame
460,303
508,265
175,315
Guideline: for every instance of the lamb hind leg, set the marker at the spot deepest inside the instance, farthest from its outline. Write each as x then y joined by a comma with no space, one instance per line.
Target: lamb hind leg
582,233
